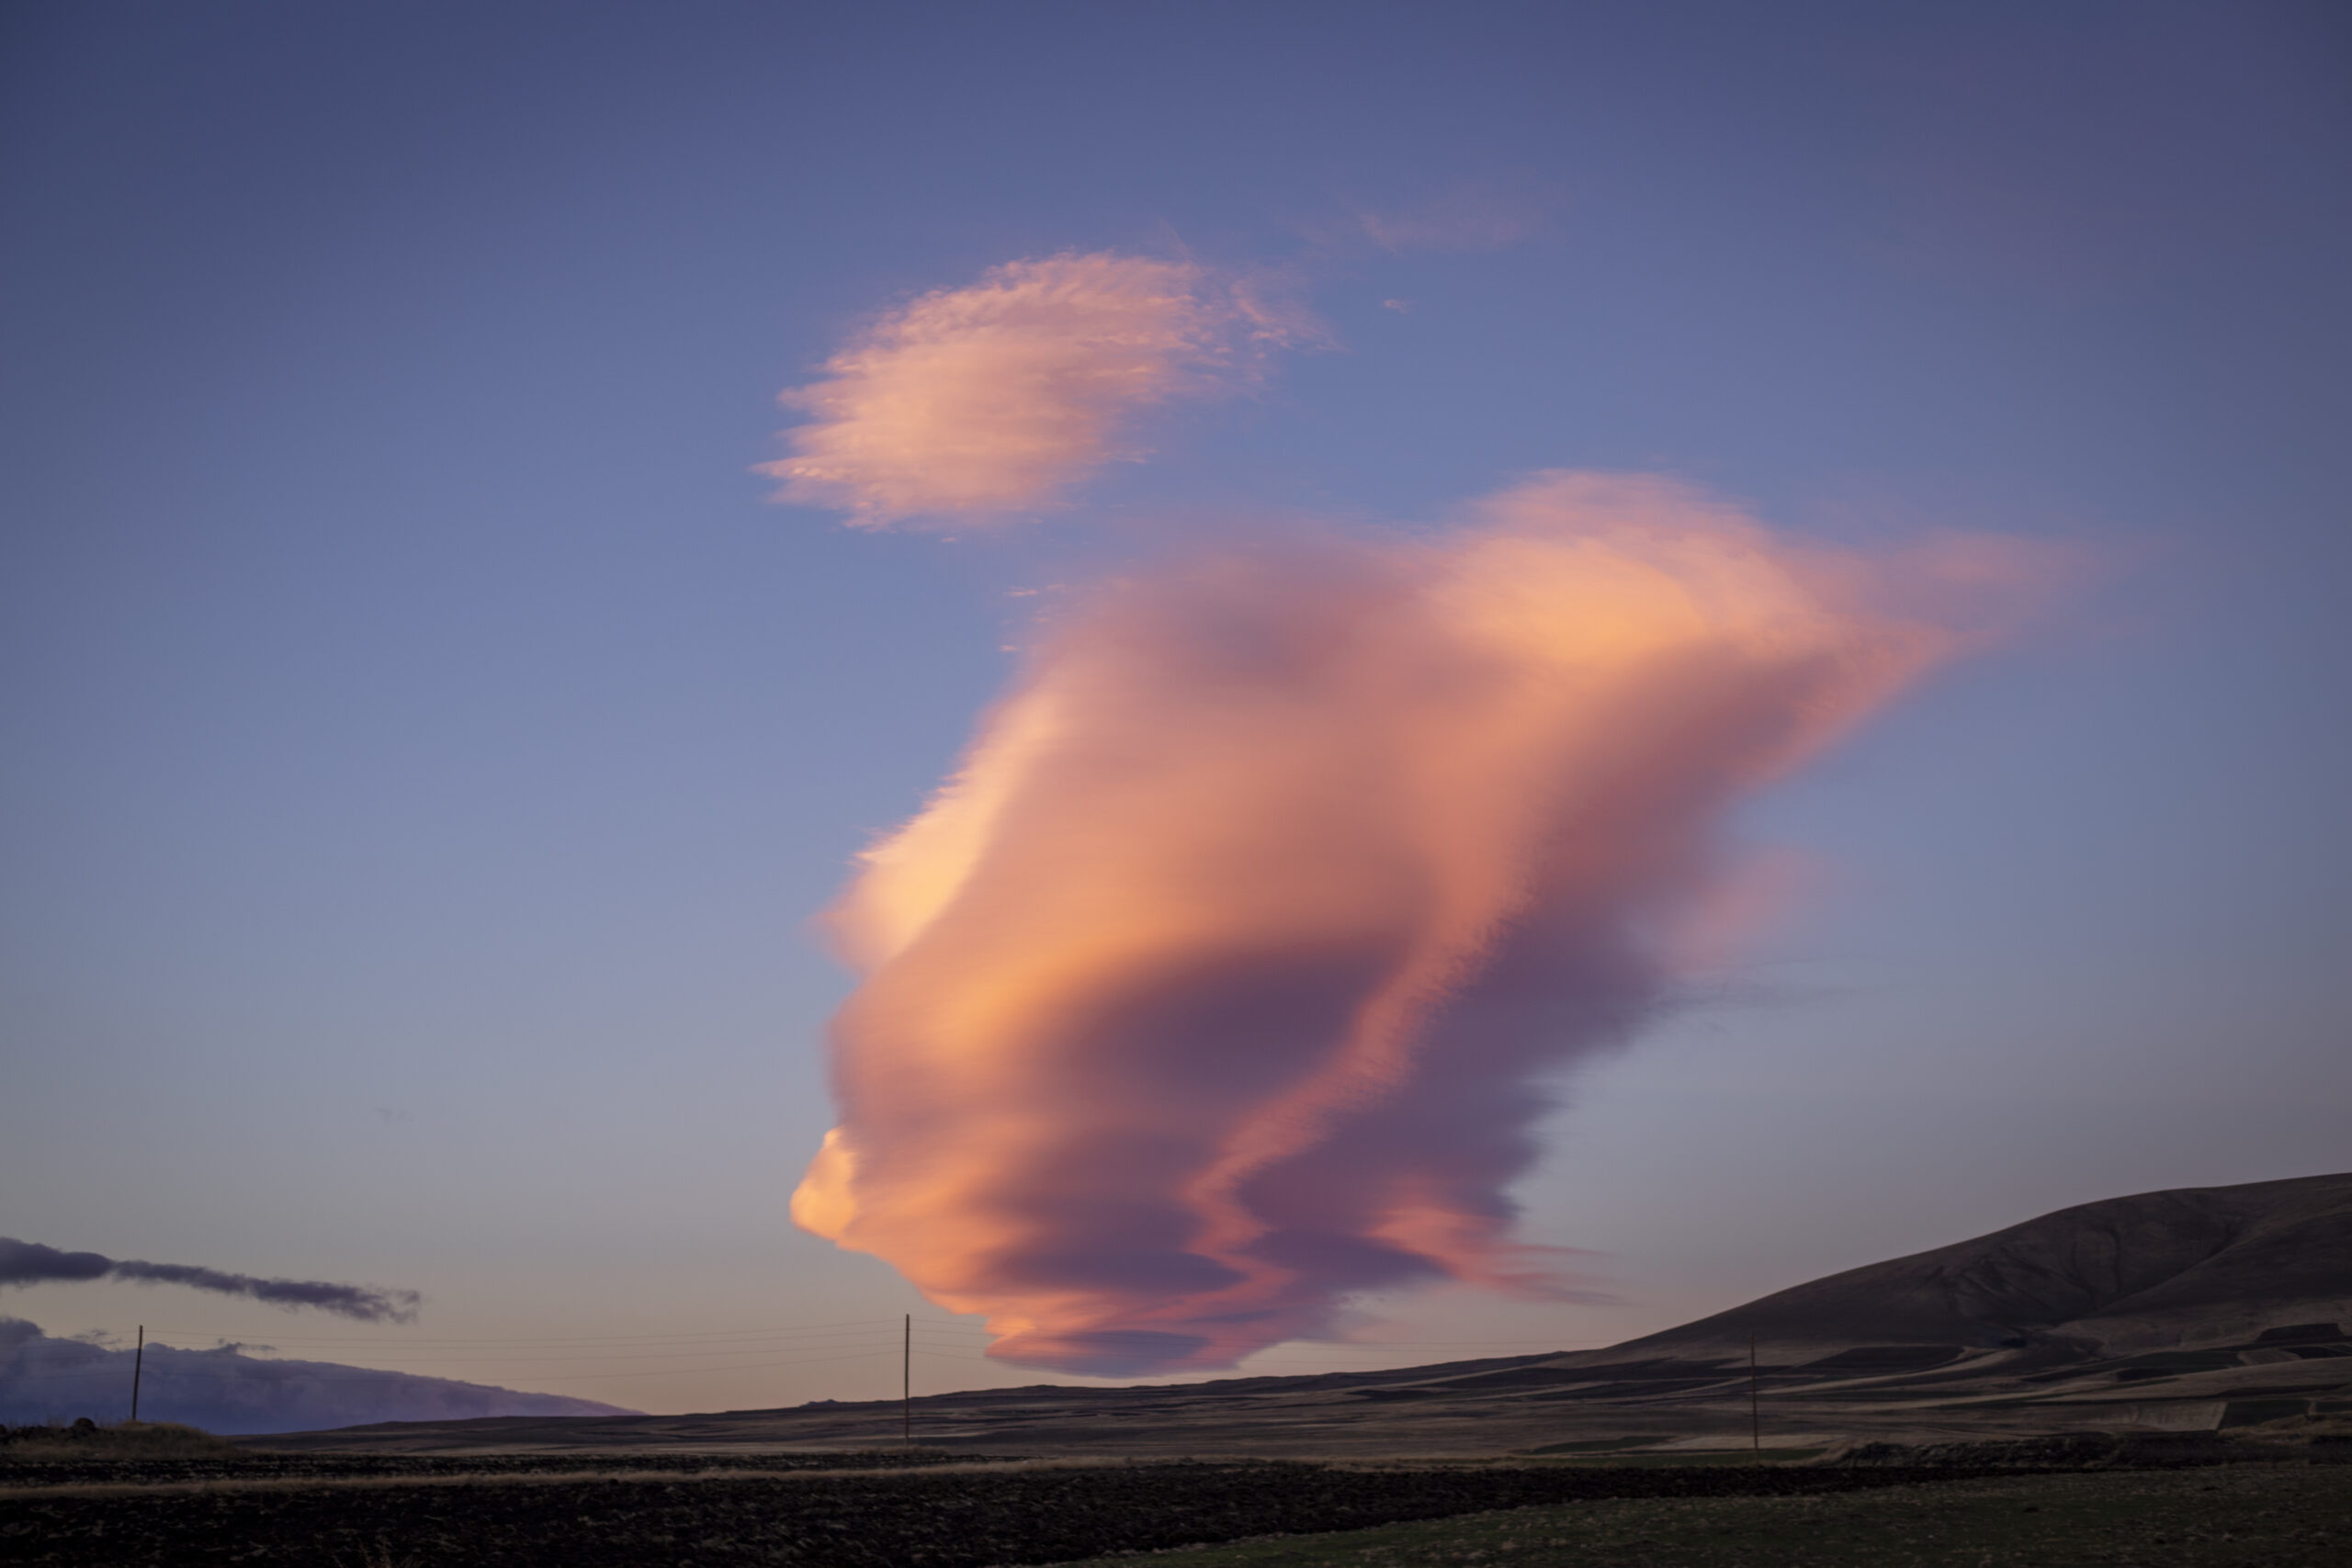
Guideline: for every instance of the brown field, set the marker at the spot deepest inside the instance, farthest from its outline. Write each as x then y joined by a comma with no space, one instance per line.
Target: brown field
2240,1517
930,1509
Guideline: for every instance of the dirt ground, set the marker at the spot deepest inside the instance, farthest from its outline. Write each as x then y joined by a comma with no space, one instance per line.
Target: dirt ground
2266,1516
950,1515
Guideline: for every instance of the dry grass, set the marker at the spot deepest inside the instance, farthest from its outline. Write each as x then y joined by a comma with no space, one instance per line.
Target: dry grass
123,1440
375,1555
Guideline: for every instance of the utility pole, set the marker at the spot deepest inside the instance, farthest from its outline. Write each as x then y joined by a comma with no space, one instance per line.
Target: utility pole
138,1364
1754,1417
907,1383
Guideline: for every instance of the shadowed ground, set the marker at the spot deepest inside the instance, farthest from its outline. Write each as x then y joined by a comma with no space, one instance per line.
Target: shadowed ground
2245,1516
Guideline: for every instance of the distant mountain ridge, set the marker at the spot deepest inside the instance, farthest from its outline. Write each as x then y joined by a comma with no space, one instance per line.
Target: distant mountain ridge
2168,1270
221,1390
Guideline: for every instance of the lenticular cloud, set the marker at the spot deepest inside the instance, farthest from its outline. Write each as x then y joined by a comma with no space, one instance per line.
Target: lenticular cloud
1215,986
994,398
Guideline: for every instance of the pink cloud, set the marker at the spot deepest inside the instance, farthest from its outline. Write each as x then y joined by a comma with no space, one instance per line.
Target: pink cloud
1219,982
978,402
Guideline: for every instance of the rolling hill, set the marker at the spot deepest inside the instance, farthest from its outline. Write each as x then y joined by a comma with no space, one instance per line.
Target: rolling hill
2177,1311
2156,1271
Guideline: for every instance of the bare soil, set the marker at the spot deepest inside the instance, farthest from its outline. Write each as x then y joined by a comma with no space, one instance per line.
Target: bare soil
531,1514
2267,1516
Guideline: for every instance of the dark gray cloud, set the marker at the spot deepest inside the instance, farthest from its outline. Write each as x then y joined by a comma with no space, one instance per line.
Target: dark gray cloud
30,1263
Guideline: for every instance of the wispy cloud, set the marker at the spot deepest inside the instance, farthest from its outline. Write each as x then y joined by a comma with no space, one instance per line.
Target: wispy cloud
993,399
1476,215
1218,984
29,1263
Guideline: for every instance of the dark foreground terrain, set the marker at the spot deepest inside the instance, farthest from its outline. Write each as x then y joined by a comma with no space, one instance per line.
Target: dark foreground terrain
906,1509
526,1516
2245,1516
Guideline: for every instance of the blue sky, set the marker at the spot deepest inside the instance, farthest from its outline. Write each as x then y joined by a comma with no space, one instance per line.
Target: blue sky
426,745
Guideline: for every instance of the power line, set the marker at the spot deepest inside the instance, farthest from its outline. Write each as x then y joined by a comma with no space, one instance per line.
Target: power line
573,1356
553,1338
859,1339
929,1325
372,1374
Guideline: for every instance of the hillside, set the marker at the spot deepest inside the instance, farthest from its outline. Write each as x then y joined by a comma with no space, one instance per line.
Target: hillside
2180,1311
2172,1270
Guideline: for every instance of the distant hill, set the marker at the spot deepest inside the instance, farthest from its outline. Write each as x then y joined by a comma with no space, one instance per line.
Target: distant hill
2185,1311
2174,1270
224,1391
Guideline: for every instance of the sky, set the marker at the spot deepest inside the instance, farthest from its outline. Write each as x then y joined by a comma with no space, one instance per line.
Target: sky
431,741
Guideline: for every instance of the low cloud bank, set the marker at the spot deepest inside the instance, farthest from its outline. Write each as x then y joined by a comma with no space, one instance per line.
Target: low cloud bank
30,1263
43,1377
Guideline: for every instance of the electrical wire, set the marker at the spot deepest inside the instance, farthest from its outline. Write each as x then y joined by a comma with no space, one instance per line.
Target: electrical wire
861,1339
554,1338
164,1372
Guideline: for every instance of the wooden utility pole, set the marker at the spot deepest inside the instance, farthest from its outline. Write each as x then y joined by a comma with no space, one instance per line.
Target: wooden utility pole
138,1364
907,1383
1755,1416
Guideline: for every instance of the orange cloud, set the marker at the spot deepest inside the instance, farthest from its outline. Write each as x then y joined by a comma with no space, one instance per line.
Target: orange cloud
1215,985
994,398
